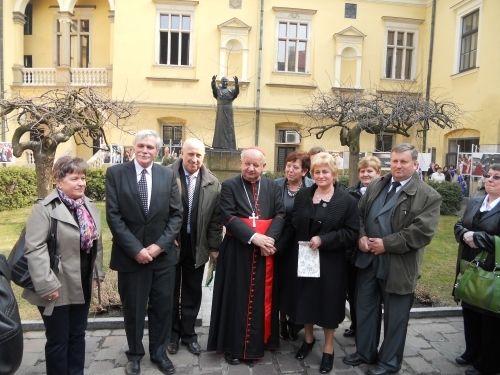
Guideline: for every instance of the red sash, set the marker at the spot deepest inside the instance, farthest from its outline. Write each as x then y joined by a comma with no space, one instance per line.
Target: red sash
261,227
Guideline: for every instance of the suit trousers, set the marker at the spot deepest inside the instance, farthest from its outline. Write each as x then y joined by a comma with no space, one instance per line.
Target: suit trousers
187,295
65,333
370,295
149,289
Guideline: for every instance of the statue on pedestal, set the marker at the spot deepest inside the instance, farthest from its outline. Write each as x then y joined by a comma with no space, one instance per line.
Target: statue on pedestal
224,137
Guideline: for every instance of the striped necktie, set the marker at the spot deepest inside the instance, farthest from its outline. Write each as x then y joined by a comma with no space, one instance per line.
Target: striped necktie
191,187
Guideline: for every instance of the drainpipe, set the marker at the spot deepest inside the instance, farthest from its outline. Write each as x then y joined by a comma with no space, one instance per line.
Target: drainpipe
259,73
429,71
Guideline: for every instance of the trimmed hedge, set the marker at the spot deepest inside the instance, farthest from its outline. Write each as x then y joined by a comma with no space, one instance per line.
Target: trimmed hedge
96,184
451,194
17,187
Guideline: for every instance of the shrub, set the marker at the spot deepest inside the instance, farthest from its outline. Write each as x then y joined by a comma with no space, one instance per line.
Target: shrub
96,184
17,187
344,180
451,194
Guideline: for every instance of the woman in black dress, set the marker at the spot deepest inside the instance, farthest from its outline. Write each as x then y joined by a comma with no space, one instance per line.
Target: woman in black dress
326,216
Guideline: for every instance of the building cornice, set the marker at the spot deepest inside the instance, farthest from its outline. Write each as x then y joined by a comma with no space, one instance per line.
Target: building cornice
177,2
415,21
415,3
294,10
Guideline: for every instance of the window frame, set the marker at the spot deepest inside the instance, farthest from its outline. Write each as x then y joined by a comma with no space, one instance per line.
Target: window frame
464,35
463,9
28,19
297,40
405,27
180,10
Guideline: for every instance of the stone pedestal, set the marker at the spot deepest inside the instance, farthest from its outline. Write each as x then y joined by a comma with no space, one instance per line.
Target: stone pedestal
223,163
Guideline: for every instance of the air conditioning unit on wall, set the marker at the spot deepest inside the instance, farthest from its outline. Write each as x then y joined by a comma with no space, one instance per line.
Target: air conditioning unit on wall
292,137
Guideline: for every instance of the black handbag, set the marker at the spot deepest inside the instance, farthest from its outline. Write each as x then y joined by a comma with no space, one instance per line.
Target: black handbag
11,332
18,263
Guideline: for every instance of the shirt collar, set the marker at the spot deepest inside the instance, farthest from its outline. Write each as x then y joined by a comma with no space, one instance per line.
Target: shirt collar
187,174
487,207
403,183
139,168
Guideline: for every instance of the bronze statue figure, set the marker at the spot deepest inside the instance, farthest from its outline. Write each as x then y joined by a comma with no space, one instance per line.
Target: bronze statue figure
224,137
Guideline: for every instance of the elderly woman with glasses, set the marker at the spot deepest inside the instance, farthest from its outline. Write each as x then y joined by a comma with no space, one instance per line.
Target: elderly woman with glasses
475,232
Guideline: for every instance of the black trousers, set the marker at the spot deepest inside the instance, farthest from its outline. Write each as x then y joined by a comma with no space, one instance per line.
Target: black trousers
187,295
481,340
352,273
148,290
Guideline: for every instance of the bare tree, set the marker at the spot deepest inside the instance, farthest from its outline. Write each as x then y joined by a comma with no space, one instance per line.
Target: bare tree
54,118
354,112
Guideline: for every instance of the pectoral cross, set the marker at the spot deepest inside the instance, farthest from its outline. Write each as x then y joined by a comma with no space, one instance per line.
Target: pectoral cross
253,218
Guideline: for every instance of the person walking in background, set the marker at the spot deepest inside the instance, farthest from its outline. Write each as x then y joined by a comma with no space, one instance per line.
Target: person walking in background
399,215
325,216
369,169
438,176
244,318
296,168
144,214
199,238
475,232
63,296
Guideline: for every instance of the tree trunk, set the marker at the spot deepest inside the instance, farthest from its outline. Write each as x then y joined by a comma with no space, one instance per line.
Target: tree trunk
43,168
353,143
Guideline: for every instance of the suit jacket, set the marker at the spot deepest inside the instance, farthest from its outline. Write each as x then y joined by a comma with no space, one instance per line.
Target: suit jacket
208,224
414,220
131,228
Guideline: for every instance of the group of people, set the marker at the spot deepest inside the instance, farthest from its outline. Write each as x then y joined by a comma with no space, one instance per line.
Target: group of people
167,222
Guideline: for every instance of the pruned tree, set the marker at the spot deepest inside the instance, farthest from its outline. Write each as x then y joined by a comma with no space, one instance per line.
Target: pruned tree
379,113
57,116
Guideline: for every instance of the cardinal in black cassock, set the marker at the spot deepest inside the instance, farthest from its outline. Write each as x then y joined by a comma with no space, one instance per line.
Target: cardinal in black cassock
244,318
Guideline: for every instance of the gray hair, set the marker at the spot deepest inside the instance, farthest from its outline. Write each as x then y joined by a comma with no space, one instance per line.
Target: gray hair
146,134
403,147
494,167
254,149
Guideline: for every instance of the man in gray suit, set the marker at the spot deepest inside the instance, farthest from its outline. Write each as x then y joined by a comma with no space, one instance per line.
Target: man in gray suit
144,214
398,217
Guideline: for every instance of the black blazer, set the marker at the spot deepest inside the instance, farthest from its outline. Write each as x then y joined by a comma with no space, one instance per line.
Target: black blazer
132,230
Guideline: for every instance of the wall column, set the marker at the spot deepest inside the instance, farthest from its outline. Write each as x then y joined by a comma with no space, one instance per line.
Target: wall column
18,60
338,70
63,74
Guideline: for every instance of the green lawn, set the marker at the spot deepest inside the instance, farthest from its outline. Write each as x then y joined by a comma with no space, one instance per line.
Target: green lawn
437,276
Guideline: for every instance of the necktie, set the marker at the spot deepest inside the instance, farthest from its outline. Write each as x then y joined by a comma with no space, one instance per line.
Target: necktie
143,191
392,192
191,187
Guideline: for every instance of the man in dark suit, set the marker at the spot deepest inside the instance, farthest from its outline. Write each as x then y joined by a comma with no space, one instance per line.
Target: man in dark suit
199,239
399,215
144,214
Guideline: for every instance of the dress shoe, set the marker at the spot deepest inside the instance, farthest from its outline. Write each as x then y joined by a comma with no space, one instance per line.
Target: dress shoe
462,361
304,350
326,363
354,359
231,360
472,371
349,333
284,330
173,347
164,364
379,370
133,367
193,347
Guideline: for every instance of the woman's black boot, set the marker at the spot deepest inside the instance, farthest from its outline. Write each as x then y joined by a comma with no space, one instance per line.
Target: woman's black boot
304,350
284,330
326,363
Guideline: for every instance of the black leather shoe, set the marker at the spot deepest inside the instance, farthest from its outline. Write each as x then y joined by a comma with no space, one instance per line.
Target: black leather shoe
193,347
472,371
164,364
377,371
326,363
284,330
231,360
173,347
133,367
304,350
354,359
462,361
349,333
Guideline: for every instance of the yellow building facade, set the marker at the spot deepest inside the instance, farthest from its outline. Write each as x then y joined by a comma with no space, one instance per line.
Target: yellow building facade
161,54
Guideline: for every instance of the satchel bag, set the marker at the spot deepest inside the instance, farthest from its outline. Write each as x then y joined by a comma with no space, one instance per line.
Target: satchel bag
18,263
478,287
11,332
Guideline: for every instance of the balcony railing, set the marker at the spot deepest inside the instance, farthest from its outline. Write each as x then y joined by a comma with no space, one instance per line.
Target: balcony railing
38,76
89,76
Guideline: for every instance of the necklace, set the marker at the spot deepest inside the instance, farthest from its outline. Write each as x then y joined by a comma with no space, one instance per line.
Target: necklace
253,217
325,197
292,193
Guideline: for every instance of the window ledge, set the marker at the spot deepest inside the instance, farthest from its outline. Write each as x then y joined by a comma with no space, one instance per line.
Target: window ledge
293,74
465,73
398,80
172,79
292,86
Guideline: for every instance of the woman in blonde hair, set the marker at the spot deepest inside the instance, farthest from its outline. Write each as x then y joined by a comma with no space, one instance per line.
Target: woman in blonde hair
325,216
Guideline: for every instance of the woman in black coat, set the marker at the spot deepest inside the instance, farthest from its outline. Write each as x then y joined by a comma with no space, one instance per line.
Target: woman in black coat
475,232
324,215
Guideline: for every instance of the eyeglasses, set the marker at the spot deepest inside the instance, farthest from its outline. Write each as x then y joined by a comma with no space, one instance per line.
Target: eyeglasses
495,177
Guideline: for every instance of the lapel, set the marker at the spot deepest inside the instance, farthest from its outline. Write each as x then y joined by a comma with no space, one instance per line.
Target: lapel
156,176
488,214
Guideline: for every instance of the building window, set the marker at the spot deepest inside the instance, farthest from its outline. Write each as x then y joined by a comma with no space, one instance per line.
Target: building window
172,137
383,142
28,19
400,54
28,61
468,42
286,141
292,46
79,43
350,10
174,39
